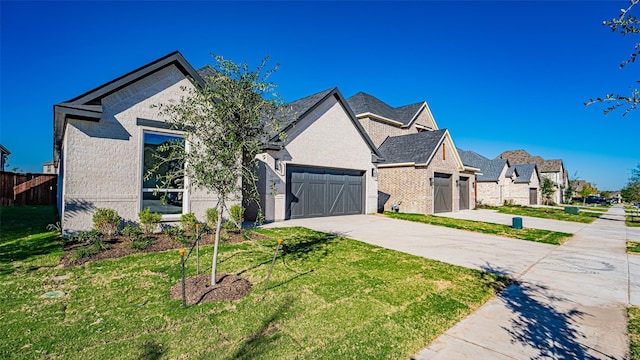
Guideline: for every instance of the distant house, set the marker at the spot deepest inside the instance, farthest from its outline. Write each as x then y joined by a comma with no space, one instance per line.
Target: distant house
325,167
4,153
49,168
103,145
421,171
550,169
497,181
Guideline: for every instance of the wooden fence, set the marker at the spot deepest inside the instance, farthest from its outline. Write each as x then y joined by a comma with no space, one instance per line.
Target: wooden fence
28,189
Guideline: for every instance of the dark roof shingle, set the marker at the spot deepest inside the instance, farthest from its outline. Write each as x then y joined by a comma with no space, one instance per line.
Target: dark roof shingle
411,148
490,170
364,103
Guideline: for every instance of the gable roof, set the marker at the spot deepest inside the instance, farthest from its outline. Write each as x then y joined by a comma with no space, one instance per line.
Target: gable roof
524,172
4,150
365,104
299,109
523,157
88,106
490,170
412,148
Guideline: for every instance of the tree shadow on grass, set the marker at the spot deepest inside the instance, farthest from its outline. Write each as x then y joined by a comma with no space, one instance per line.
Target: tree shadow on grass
150,350
261,340
540,322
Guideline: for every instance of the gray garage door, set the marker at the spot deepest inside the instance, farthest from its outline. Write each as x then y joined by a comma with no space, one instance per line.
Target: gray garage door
441,193
464,193
313,192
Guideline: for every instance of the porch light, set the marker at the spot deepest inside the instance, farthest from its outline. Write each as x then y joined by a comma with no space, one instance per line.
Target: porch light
277,165
457,183
374,172
431,181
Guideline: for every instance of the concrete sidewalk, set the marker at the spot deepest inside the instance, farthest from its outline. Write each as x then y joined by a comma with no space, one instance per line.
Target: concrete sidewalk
493,216
569,305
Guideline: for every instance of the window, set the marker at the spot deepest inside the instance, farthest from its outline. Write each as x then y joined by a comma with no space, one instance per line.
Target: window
159,194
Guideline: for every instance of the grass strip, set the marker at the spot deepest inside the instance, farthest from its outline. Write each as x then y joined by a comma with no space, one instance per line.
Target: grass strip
537,235
549,213
634,332
633,221
633,247
328,297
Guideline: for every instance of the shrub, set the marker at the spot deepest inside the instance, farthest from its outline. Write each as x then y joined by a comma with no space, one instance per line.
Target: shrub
142,243
106,221
509,202
132,232
212,217
93,244
188,222
176,234
149,220
237,214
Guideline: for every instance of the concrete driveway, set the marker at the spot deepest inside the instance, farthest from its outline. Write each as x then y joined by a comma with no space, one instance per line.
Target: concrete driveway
460,247
568,301
493,216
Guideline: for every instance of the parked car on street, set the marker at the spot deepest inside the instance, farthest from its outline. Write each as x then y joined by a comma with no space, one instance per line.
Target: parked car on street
593,199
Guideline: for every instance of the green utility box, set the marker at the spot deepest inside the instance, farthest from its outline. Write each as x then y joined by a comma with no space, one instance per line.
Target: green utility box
573,210
517,223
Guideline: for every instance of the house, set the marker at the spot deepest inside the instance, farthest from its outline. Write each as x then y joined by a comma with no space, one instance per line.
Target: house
423,173
4,154
380,120
498,182
326,166
551,169
104,142
48,168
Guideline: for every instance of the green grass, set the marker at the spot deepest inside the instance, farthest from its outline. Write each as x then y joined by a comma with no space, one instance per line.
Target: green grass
634,332
548,213
633,221
25,243
328,297
633,247
543,236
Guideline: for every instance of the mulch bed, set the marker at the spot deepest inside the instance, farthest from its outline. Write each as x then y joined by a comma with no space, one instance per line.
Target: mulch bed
119,246
198,289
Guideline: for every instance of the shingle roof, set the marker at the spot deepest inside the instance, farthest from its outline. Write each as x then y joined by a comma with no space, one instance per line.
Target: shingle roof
299,107
417,147
490,169
364,103
524,172
523,157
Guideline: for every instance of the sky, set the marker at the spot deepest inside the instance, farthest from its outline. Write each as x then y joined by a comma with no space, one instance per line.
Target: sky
500,75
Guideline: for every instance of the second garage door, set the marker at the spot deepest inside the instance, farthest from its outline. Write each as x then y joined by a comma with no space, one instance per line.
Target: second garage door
314,192
442,193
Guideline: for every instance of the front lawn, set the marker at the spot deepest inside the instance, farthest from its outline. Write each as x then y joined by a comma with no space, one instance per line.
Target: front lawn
548,213
633,221
634,332
543,236
633,247
328,297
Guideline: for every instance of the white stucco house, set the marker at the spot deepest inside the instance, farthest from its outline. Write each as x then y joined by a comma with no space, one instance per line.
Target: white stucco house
325,167
104,142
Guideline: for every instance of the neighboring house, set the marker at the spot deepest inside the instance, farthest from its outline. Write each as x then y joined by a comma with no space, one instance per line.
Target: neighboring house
49,168
325,167
380,120
551,169
497,181
103,145
422,173
525,189
4,153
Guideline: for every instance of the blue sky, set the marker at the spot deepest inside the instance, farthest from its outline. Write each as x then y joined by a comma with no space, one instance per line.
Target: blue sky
499,75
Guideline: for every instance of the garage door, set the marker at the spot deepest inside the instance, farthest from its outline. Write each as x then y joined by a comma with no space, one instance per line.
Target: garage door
442,193
464,193
313,192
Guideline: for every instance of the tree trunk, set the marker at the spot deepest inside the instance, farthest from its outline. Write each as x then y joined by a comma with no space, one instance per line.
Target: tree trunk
215,246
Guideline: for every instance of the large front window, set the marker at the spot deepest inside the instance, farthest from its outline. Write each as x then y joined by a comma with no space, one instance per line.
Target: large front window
160,193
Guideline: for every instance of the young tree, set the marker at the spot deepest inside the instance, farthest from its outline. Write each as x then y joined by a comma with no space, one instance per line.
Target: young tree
225,123
585,192
547,188
631,192
626,24
571,188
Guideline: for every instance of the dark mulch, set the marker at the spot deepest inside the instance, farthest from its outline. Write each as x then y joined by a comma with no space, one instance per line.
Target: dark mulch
119,246
198,289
